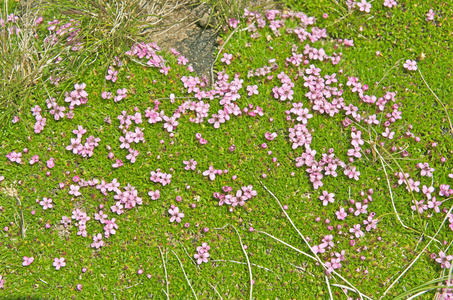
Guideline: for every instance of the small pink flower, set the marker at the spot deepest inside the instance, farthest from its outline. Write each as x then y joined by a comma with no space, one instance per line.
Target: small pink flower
190,165
74,190
411,65
118,163
430,15
444,260
252,89
390,3
270,136
50,163
34,159
46,203
154,194
227,58
364,6
175,215
58,263
27,261
210,172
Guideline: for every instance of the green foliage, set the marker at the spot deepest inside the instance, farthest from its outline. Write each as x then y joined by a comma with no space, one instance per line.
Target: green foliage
278,271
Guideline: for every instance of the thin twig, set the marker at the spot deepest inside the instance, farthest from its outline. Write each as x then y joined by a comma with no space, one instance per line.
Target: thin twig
328,287
182,267
190,257
437,98
216,291
165,269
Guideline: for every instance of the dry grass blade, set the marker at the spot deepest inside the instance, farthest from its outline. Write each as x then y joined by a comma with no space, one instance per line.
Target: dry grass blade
165,269
185,275
438,100
246,256
418,256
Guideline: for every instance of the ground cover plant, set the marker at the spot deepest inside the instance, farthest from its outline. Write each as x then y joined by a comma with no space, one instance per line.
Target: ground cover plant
314,164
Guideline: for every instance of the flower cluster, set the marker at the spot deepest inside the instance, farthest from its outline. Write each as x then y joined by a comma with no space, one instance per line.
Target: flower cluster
239,198
15,157
159,177
76,143
76,97
112,74
202,253
285,92
129,197
40,121
149,51
69,31
82,218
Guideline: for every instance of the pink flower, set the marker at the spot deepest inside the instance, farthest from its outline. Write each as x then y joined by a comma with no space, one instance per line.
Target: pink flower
50,163
270,136
233,22
411,65
14,157
190,165
154,194
252,89
349,43
175,215
58,263
80,131
388,134
118,163
341,214
97,241
2,282
426,170
351,172
210,172
27,261
364,6
106,95
390,3
34,159
201,257
226,58
444,260
74,190
46,203
80,88
327,197
121,94
430,15
361,209
356,230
